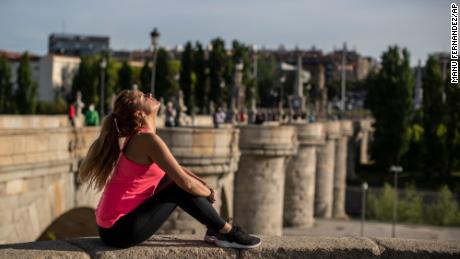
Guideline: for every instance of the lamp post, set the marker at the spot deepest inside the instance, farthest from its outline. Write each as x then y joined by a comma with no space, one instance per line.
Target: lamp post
344,77
207,81
154,35
395,170
103,65
364,187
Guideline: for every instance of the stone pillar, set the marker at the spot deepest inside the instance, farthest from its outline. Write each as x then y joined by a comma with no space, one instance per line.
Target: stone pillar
213,155
259,181
365,128
299,193
340,172
325,171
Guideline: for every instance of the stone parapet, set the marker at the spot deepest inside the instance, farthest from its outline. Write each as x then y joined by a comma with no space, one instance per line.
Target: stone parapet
268,140
333,129
340,170
259,181
300,176
310,134
33,121
192,246
346,127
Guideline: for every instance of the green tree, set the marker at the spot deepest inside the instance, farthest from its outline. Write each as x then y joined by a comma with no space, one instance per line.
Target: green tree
172,75
162,84
241,54
187,77
201,69
111,86
7,105
267,79
125,76
85,81
145,77
452,122
433,116
26,93
219,64
390,100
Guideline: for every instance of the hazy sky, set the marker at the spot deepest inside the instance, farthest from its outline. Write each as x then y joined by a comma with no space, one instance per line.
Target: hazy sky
370,26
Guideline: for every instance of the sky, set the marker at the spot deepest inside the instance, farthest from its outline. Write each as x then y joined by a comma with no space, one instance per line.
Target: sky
370,27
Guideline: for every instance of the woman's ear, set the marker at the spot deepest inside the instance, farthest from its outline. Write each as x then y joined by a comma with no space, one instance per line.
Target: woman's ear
139,114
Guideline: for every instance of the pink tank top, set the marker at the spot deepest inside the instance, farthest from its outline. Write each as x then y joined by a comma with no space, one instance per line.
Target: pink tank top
131,184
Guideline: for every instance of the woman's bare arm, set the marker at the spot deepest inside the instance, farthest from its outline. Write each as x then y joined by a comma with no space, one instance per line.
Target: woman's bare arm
159,152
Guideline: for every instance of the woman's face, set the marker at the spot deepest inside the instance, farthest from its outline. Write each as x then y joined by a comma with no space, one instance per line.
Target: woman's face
150,101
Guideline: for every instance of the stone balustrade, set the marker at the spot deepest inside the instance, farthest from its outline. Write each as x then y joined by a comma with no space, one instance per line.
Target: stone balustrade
325,171
299,191
259,181
340,172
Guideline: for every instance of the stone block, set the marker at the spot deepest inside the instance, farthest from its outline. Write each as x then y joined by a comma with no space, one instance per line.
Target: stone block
15,187
6,217
183,246
34,183
2,188
43,250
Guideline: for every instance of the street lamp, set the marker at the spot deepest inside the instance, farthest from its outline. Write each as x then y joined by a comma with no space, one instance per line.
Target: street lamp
364,187
103,65
395,170
154,35
207,82
344,78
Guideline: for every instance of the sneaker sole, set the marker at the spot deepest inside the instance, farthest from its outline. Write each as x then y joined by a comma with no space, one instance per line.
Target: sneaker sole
226,244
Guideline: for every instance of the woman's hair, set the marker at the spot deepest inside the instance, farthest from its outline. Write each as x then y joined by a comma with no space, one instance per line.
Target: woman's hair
125,120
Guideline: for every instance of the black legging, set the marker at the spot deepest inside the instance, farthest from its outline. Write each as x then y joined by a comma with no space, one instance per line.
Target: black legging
141,223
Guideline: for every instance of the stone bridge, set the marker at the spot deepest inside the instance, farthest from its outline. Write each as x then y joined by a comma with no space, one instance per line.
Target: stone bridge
300,168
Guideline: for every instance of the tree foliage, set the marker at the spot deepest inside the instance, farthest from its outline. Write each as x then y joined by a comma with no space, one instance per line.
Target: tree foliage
390,100
125,76
220,76
7,104
433,116
26,93
187,76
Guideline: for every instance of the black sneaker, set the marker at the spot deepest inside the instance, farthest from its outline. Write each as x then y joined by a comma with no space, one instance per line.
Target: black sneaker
236,238
210,236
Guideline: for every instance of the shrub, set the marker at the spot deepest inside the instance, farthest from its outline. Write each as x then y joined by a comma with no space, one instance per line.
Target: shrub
444,211
59,106
410,207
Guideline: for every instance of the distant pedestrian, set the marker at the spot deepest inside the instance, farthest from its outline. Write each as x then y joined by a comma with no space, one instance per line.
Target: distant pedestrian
170,115
218,117
72,114
91,116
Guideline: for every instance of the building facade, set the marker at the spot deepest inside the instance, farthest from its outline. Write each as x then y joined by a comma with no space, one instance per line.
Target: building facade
77,45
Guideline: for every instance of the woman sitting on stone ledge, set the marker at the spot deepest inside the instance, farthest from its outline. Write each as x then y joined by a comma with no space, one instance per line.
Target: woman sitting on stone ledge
143,183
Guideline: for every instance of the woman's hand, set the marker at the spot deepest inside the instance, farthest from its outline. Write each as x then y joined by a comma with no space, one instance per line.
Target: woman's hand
211,197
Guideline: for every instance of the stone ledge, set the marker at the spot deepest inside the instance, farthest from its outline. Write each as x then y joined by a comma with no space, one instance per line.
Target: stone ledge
191,246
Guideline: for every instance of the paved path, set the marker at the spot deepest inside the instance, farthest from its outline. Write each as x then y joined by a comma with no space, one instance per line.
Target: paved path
332,228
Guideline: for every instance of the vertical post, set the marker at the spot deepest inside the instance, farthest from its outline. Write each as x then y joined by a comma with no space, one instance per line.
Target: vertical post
395,170
363,206
103,65
152,80
344,76
154,36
